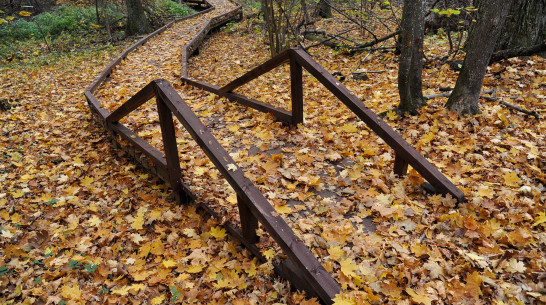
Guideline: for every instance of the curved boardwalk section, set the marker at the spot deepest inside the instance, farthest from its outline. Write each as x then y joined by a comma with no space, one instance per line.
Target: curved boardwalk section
164,54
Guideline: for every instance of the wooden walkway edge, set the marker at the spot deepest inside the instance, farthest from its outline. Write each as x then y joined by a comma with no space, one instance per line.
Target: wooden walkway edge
301,268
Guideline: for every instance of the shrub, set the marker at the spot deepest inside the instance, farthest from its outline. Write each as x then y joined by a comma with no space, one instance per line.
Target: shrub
63,19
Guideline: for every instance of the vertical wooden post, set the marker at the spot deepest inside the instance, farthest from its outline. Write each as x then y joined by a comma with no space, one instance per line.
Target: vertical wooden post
181,192
400,166
249,223
296,87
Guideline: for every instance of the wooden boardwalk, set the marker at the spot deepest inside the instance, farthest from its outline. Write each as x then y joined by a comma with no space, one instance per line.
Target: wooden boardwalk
138,75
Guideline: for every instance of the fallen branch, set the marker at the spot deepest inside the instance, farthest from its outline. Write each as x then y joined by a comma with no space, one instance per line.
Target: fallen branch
487,98
7,132
523,51
356,47
496,99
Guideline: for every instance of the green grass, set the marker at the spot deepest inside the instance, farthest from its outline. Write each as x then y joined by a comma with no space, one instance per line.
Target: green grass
37,39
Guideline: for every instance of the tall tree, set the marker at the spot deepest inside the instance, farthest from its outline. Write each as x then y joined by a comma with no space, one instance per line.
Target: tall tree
324,9
136,19
411,57
480,46
525,25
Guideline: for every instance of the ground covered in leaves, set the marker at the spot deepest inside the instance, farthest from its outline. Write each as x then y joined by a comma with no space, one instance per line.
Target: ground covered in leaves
81,223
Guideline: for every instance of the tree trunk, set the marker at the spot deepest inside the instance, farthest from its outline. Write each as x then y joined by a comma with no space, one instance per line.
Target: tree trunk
435,21
525,25
324,9
136,20
411,57
480,44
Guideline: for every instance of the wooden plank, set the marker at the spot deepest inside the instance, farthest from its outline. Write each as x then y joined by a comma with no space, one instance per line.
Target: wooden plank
309,268
400,166
141,97
257,72
234,231
171,151
281,114
151,152
94,104
296,90
249,223
192,45
382,129
116,61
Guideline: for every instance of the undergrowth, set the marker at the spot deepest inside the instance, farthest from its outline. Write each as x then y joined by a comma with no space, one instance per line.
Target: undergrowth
40,39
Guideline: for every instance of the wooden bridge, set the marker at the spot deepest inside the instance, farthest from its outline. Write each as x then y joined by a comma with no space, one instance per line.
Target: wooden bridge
301,267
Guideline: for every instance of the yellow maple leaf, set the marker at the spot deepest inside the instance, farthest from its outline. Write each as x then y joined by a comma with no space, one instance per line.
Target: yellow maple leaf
335,253
199,171
157,247
283,209
485,191
87,181
169,263
155,215
78,162
218,232
125,289
18,194
348,128
341,300
142,275
427,138
419,249
348,267
392,115
232,198
94,221
269,254
25,13
194,269
540,219
72,293
144,250
4,214
511,179
158,300
137,222
419,298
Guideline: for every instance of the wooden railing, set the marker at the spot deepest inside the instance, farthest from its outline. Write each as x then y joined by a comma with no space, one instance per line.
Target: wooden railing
298,59
302,269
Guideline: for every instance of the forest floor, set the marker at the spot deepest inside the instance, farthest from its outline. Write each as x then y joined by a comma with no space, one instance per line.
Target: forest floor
80,223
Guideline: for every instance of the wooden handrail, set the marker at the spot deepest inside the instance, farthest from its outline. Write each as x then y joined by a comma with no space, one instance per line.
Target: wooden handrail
298,58
253,206
301,268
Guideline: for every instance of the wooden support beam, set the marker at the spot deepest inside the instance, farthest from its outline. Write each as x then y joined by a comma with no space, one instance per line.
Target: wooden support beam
281,114
400,166
382,129
257,72
307,265
249,223
181,191
296,90
142,96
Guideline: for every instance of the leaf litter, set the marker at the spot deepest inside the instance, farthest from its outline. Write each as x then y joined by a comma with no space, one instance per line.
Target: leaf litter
81,223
